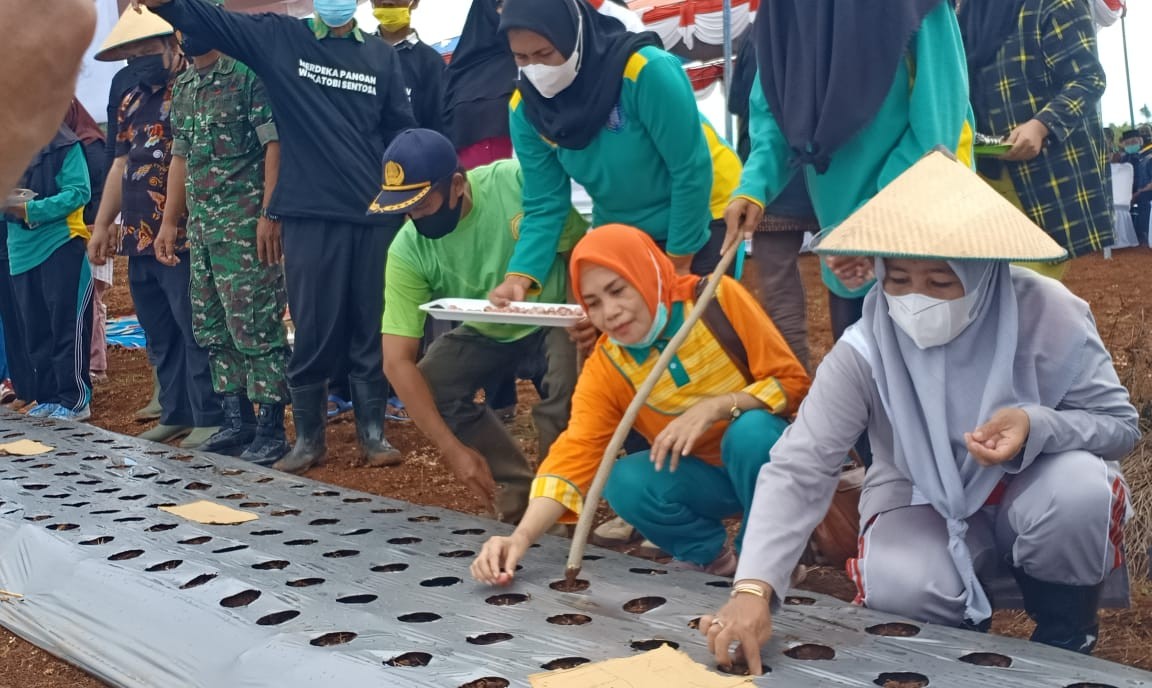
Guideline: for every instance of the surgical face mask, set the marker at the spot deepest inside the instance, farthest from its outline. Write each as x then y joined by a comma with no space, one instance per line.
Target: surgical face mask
550,80
659,318
194,47
393,19
442,222
152,70
929,321
335,13
1133,149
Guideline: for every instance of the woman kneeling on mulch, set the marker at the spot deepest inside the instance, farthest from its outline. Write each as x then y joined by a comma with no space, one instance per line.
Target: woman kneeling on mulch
713,416
995,416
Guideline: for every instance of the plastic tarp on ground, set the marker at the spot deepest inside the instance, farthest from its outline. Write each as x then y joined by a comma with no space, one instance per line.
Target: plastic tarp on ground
331,587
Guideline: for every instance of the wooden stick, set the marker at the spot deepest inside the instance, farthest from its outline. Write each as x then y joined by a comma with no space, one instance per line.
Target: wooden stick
5,593
584,525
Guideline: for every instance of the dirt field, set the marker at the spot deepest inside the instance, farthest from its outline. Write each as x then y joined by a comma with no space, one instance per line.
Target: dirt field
1118,290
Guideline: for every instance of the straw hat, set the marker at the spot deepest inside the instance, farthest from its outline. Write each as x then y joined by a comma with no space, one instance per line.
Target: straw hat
940,209
133,27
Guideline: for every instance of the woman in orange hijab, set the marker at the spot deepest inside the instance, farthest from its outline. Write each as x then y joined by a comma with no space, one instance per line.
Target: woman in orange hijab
711,419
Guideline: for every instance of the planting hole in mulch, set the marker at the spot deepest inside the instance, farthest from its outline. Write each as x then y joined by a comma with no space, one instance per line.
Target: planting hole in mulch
233,497
341,554
165,566
441,582
330,639
489,638
277,618
894,630
358,531
389,568
198,581
77,505
240,599
286,512
40,517
646,645
404,541
565,585
301,542
801,601
252,505
356,500
387,510
1089,685
102,540
198,540
61,526
273,565
507,599
126,554
304,582
901,679
694,624
325,493
262,533
356,599
737,669
564,663
487,682
719,583
650,572
569,619
423,519
458,554
226,550
810,651
641,605
197,486
987,659
419,617
592,557
323,521
410,659
470,531
161,527
126,519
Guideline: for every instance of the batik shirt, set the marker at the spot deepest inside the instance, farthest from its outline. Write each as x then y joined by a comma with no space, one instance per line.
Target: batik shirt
145,136
221,122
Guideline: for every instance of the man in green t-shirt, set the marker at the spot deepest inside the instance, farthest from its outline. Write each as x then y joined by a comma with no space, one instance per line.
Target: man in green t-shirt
462,231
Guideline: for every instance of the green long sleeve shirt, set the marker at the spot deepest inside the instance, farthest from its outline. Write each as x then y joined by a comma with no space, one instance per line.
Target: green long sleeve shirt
657,165
52,220
926,107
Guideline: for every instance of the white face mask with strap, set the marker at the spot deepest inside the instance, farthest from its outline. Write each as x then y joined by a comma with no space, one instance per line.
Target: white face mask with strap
930,321
550,80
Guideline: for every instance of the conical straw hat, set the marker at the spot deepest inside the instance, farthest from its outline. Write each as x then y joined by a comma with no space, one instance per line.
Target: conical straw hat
133,26
940,209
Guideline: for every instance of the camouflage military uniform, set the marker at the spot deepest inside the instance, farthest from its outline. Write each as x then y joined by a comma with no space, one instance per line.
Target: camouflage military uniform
221,122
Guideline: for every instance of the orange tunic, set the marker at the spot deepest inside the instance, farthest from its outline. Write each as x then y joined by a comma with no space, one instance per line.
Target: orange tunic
700,370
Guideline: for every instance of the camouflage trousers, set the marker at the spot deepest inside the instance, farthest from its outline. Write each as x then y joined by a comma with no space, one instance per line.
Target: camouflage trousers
237,315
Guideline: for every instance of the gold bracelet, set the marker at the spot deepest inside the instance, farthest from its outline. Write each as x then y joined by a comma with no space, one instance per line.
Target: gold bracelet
735,411
751,589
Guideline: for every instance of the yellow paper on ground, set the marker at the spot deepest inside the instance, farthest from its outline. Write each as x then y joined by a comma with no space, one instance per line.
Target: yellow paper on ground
25,448
211,513
660,668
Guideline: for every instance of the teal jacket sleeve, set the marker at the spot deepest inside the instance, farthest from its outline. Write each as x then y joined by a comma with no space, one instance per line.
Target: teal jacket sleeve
547,199
938,110
766,172
74,191
667,109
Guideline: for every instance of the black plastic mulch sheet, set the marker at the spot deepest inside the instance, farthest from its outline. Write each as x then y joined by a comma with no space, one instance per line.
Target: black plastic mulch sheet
337,588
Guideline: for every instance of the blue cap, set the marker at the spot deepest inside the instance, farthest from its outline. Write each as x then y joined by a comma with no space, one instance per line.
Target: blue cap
414,163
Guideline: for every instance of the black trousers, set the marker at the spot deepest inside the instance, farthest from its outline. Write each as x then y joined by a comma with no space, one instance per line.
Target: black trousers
55,302
335,278
15,345
164,307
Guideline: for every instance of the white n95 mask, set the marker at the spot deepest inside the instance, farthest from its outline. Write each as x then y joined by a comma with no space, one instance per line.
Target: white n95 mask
930,321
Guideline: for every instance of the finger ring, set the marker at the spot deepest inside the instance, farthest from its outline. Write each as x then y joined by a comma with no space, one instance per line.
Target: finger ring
717,622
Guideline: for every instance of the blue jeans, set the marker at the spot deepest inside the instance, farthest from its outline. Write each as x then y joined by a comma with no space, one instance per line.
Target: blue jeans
683,512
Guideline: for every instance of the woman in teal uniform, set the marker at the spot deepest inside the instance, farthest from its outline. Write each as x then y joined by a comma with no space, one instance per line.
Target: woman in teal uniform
614,112
854,94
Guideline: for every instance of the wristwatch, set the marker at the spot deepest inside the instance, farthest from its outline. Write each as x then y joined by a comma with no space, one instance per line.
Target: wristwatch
264,213
735,411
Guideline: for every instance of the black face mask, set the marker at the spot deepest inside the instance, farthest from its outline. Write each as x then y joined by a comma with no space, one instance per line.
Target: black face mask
441,223
194,47
151,70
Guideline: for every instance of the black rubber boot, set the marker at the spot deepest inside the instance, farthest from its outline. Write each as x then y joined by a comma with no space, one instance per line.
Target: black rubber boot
368,403
1065,615
238,430
309,407
271,443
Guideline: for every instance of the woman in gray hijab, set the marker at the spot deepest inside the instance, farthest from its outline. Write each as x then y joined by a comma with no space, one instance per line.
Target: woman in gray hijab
996,420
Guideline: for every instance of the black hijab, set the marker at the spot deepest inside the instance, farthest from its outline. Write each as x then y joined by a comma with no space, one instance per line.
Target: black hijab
827,65
480,79
577,114
985,25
